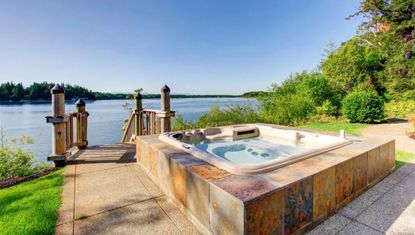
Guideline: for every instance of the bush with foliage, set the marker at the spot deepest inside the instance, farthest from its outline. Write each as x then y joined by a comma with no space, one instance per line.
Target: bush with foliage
364,106
298,98
291,109
14,161
327,109
179,123
400,108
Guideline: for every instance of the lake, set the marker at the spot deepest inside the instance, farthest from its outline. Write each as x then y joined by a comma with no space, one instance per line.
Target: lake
105,119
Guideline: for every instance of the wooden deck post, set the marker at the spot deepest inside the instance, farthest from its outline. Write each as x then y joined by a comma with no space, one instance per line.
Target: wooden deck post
81,124
138,129
165,119
59,123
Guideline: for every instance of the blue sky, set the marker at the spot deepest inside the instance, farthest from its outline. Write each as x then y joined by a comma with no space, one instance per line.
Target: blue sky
196,47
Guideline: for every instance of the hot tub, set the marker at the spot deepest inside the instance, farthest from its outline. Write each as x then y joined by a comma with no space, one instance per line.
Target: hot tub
253,148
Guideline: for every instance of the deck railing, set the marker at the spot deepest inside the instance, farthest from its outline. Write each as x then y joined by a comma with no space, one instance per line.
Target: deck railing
68,129
149,121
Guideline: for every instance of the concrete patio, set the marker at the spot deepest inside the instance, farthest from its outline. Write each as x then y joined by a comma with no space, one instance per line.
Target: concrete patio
105,192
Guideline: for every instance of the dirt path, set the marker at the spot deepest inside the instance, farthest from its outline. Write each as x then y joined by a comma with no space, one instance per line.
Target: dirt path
396,130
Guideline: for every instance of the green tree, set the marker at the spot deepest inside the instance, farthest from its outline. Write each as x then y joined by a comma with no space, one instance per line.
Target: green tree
389,28
38,91
5,91
353,63
18,92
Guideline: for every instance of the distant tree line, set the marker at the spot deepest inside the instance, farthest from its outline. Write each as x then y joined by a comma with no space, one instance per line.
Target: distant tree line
254,94
40,91
11,91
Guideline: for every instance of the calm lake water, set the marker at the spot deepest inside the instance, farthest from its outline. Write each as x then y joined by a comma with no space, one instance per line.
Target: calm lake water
105,120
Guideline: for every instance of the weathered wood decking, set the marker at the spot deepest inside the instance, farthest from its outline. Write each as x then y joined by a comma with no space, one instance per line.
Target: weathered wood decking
105,192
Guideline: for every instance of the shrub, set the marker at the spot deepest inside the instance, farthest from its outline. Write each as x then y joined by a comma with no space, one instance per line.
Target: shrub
363,106
400,109
14,161
327,109
296,100
321,92
287,110
179,123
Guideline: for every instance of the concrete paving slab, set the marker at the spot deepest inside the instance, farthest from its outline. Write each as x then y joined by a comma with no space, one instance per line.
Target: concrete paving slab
331,226
178,218
66,210
64,229
357,206
408,183
397,176
101,158
404,224
383,186
89,168
105,190
408,168
355,228
140,218
399,195
151,187
385,211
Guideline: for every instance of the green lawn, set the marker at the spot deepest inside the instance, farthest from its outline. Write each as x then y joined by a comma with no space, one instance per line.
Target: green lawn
31,207
402,158
335,126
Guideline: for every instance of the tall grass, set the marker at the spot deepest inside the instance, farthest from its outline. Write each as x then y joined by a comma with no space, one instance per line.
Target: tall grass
232,114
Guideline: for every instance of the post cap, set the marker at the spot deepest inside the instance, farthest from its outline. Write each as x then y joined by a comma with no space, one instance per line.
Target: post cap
165,88
57,89
80,103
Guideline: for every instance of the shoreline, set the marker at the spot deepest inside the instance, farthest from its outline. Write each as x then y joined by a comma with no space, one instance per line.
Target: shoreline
144,98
